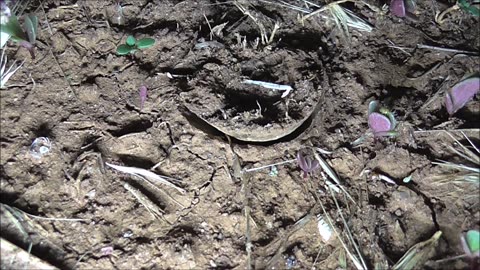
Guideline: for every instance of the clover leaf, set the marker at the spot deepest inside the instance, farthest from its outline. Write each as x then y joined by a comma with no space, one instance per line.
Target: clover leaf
132,44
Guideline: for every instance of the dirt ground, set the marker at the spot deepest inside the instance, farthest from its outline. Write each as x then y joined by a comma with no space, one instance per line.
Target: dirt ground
202,124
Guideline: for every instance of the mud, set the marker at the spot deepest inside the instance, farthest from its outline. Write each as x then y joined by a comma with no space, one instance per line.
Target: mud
201,124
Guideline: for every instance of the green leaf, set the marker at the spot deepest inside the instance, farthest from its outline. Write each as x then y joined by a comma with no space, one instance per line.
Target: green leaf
473,240
342,259
145,43
131,41
390,115
13,28
372,106
31,26
124,49
475,11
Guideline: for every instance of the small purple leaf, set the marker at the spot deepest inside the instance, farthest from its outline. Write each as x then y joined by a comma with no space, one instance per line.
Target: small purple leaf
314,165
307,164
301,161
397,7
379,123
461,93
143,95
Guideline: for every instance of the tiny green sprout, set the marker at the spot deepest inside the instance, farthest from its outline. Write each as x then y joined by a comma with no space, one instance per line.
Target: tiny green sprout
471,247
131,41
407,179
145,43
131,45
124,49
473,241
273,171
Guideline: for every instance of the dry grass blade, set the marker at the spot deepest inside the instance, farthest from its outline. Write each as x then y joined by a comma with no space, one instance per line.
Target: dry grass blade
345,18
326,168
467,153
245,178
341,19
356,22
152,208
146,175
270,165
349,233
457,166
6,74
466,173
356,262
325,7
55,219
244,7
287,5
417,255
248,229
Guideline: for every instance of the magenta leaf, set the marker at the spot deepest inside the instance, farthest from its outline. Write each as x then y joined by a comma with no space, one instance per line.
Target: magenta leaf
379,123
397,7
143,95
307,164
461,93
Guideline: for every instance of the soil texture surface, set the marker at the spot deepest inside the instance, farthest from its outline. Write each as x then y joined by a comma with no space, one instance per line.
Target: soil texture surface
234,86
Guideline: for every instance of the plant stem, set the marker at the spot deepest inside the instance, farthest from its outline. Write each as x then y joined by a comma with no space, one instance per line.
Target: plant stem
270,165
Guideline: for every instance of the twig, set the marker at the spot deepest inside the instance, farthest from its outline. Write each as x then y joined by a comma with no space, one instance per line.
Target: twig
146,175
46,20
439,17
142,26
209,26
274,31
331,173
61,69
402,49
449,50
435,96
330,222
432,69
349,233
449,130
270,165
247,12
56,219
272,86
152,208
246,206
